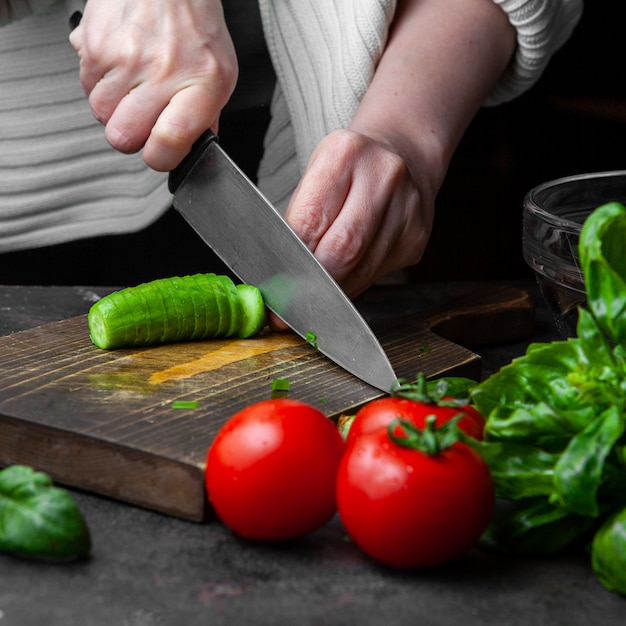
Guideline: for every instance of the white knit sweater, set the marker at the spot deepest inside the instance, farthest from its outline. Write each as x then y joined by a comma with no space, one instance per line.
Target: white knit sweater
59,179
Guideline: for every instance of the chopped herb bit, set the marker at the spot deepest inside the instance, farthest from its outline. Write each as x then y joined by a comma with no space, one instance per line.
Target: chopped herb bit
311,338
280,388
425,348
280,384
185,404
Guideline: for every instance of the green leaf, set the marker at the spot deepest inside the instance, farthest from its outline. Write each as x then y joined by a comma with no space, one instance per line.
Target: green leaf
608,553
453,386
533,397
38,519
579,471
518,471
534,526
555,431
445,391
601,376
603,260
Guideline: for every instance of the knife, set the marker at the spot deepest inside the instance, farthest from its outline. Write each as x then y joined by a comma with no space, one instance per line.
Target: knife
252,238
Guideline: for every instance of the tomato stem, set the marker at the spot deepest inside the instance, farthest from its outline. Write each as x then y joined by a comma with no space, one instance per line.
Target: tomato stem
422,391
430,440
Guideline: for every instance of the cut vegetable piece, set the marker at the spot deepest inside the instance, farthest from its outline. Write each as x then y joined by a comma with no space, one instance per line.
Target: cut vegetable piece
185,404
170,313
188,314
142,322
280,384
201,306
222,301
109,323
254,316
173,314
234,301
311,338
217,314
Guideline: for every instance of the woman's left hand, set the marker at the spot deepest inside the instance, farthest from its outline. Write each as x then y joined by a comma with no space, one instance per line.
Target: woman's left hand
360,210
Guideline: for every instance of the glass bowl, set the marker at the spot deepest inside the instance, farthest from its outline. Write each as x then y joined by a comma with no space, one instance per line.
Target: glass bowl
553,216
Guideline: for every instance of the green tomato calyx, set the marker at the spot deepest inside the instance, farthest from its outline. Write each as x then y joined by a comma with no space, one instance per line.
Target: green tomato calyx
437,393
430,440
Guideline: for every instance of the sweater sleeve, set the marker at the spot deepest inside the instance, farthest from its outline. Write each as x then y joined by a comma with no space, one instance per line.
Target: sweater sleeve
14,10
542,26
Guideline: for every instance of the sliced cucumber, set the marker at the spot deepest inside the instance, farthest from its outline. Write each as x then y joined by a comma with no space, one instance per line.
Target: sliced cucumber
234,302
201,306
254,311
216,318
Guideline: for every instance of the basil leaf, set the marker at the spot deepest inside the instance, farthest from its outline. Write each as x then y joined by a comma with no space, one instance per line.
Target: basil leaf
601,377
593,341
453,386
533,397
603,260
608,553
518,471
534,526
579,471
38,519
555,389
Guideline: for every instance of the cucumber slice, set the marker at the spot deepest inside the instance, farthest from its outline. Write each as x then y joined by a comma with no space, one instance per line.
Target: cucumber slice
216,309
194,307
204,308
223,296
182,295
111,323
168,310
234,302
254,311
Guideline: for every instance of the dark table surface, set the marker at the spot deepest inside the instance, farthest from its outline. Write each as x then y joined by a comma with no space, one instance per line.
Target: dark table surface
148,569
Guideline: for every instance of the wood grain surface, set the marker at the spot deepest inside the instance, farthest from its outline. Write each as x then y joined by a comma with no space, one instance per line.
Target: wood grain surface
104,421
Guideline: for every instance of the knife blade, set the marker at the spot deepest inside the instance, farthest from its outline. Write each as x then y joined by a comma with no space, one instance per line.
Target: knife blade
252,238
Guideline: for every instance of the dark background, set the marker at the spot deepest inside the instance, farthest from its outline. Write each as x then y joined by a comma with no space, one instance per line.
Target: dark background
571,122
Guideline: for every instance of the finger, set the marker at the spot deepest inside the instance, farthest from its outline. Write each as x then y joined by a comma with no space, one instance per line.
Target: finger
376,261
344,244
76,37
187,115
276,323
108,92
318,198
104,80
129,124
92,66
399,242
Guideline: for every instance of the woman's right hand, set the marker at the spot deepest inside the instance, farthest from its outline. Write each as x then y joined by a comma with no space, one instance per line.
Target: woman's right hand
157,72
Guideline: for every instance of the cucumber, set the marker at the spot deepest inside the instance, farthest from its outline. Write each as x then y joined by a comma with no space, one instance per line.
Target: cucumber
235,313
254,314
188,308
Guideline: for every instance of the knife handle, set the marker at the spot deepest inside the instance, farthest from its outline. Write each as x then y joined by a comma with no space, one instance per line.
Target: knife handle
178,174
74,10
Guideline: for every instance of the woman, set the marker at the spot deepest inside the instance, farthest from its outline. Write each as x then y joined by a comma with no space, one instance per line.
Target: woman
370,101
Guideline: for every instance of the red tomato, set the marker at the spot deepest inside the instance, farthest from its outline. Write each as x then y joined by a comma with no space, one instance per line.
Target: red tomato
380,413
407,509
271,471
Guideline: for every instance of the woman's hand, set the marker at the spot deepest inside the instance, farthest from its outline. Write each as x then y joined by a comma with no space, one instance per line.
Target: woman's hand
365,203
157,72
360,210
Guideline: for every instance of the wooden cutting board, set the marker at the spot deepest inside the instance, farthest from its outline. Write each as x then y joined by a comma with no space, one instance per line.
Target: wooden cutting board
103,421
